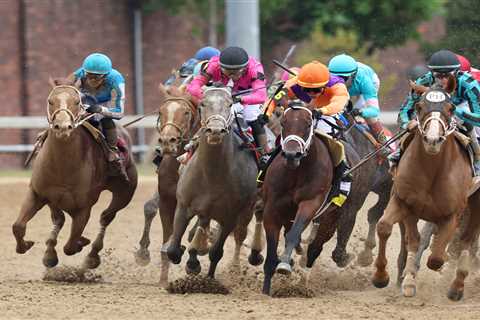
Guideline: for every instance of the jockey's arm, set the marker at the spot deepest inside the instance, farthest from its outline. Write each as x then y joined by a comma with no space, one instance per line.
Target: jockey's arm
279,100
370,94
406,109
195,86
472,96
116,106
259,95
338,100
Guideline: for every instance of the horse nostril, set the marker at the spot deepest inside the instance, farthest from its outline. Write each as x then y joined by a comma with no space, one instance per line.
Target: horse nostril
173,140
70,127
298,154
56,127
208,131
223,131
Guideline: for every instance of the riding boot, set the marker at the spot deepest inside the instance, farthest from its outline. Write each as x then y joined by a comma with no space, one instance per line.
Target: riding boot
262,142
342,183
379,134
115,161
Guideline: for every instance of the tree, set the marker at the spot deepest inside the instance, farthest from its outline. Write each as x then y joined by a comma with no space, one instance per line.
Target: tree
462,30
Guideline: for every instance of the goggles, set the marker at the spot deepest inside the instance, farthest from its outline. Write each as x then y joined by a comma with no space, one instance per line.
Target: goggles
95,76
232,72
313,90
441,75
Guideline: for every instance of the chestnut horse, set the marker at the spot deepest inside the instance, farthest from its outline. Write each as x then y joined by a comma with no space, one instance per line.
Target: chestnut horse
296,187
218,182
431,183
178,120
69,173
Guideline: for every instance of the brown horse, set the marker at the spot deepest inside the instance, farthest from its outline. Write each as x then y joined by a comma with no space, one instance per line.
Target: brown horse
178,120
69,174
217,183
431,183
295,187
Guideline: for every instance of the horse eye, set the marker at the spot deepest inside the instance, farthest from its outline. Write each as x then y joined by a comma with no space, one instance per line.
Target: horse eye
50,101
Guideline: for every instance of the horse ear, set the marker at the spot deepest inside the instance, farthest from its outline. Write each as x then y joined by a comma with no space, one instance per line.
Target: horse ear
52,82
419,89
163,91
77,84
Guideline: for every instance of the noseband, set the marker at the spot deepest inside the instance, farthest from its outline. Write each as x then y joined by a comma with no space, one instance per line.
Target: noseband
304,144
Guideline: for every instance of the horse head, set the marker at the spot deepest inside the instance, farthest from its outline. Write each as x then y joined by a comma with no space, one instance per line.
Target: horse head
64,107
297,133
435,118
176,118
216,113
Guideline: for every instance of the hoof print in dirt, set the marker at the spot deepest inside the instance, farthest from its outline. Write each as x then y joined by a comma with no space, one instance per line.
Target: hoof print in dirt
296,291
197,284
71,275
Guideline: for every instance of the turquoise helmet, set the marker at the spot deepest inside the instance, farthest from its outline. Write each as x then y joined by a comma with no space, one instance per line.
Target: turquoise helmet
97,63
342,65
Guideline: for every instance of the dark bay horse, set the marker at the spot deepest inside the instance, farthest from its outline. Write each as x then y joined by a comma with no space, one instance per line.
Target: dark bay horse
69,173
431,183
178,120
219,182
296,186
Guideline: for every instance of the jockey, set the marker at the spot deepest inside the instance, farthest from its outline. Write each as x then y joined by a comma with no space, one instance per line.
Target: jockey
235,68
362,82
107,85
327,95
466,66
193,65
445,66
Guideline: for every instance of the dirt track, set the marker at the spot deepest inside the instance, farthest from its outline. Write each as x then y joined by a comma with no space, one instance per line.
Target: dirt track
129,291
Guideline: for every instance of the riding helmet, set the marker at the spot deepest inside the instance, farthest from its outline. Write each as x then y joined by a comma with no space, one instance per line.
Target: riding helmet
97,63
342,65
416,72
233,58
313,75
443,61
206,53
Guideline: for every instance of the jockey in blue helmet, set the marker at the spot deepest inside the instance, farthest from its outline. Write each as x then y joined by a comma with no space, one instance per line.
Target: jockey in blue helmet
362,82
107,87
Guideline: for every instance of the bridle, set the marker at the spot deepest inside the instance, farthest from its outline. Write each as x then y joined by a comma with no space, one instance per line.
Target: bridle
304,144
76,120
227,122
435,116
190,107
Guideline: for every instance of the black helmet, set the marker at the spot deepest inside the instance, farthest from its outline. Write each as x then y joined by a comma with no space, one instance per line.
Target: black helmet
233,58
416,72
443,61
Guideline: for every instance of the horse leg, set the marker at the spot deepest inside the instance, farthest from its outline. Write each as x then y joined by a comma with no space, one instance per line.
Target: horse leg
31,205
240,233
293,236
167,211
255,258
216,252
345,226
76,243
120,199
50,258
272,231
365,257
402,255
199,243
180,223
394,213
425,235
440,241
469,234
409,286
150,209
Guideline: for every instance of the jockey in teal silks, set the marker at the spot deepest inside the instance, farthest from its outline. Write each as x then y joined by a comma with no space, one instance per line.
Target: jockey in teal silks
444,66
362,82
107,86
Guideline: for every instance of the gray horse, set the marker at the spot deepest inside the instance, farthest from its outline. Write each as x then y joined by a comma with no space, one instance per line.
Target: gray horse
219,182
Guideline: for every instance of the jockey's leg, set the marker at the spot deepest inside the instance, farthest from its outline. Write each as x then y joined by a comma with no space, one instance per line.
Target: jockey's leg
476,151
114,158
250,114
377,129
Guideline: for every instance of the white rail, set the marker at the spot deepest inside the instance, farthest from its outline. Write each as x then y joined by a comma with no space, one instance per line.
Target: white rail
388,118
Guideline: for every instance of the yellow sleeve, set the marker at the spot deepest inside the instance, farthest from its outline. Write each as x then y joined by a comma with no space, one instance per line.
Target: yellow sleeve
338,100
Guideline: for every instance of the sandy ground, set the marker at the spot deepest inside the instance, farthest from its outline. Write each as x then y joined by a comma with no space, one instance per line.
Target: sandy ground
129,291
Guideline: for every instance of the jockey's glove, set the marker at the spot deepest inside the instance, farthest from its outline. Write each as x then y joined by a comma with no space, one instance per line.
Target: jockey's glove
317,114
356,112
262,119
237,99
95,109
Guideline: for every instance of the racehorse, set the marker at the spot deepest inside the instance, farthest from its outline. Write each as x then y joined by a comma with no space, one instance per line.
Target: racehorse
69,173
296,188
433,162
218,182
178,120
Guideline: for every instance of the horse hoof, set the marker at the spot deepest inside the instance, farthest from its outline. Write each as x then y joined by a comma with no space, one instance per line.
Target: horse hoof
365,258
22,248
175,254
435,263
82,242
455,295
202,252
142,257
284,268
92,262
409,290
342,260
255,258
193,267
50,260
379,282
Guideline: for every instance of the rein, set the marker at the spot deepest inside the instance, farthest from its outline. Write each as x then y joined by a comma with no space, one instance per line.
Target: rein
77,120
304,144
448,129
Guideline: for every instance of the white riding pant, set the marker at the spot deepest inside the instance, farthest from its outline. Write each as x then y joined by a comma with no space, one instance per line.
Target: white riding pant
249,112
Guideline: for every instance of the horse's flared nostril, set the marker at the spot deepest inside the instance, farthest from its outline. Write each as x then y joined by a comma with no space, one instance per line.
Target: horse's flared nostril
209,131
173,140
298,154
56,127
223,131
70,127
